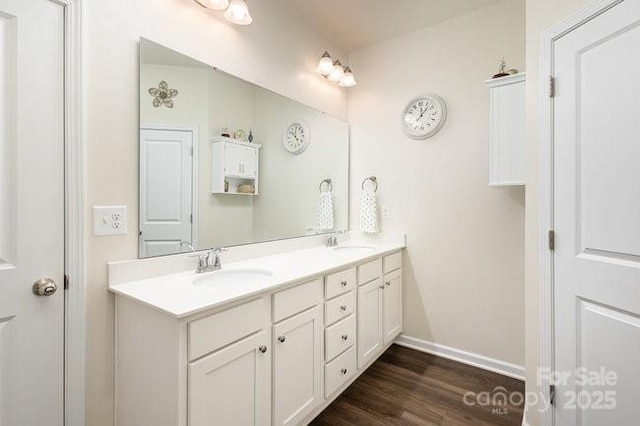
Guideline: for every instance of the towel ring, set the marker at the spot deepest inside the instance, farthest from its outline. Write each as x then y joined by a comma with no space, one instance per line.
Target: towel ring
329,184
372,179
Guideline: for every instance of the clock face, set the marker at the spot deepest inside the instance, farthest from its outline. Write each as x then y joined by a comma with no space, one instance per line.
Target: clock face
296,137
423,116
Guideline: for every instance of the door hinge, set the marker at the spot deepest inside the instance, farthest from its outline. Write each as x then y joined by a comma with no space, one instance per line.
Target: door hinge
552,87
552,394
66,282
192,151
552,239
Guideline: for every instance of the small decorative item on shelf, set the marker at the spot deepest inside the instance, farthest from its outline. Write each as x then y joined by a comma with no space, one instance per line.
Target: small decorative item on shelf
240,134
250,137
225,132
502,71
226,186
162,95
246,188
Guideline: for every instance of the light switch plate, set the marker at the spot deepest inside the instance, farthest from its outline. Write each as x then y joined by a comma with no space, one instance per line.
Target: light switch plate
109,220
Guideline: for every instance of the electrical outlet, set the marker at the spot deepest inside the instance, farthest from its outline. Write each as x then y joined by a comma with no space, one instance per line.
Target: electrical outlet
109,220
386,211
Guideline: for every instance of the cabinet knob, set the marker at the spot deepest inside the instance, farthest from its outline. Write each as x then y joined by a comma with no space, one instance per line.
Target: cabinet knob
382,287
343,283
343,308
388,283
262,349
345,337
343,371
281,339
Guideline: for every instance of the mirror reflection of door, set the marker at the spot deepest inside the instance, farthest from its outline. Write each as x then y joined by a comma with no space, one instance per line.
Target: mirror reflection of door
166,190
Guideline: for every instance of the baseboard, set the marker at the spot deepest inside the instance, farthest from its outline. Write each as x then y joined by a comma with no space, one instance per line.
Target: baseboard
476,360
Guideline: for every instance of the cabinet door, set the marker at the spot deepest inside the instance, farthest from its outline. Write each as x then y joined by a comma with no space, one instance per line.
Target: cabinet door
392,305
232,159
297,367
233,385
249,161
369,321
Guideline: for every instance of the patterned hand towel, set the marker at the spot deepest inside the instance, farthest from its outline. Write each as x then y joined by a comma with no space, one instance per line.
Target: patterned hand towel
325,211
369,212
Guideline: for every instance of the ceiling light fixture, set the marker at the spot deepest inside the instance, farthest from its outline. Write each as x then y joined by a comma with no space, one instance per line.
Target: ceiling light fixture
335,71
236,11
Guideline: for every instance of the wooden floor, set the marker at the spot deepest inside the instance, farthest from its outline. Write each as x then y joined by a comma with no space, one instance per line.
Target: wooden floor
407,387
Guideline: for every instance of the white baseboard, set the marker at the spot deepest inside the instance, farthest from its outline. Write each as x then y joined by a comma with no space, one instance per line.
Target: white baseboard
476,360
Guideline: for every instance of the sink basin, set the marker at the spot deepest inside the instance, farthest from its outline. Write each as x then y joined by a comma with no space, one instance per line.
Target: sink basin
232,277
353,249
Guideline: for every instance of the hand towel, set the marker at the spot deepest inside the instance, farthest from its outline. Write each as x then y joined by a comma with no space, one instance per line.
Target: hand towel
369,212
325,211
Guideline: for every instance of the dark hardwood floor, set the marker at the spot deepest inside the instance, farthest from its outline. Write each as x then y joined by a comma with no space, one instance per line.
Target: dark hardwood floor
407,387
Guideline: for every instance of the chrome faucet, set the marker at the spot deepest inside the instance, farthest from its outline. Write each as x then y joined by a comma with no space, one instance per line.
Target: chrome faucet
209,260
332,241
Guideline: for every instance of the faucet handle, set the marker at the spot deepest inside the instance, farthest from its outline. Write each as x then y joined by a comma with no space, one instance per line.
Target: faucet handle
203,260
218,250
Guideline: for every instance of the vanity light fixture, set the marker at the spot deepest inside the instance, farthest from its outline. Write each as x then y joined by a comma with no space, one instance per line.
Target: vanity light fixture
236,11
335,71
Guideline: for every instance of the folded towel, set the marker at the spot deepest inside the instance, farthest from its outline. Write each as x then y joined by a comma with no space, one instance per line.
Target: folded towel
325,211
369,212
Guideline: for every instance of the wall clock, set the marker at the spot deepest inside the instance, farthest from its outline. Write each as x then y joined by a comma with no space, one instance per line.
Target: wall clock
296,137
423,116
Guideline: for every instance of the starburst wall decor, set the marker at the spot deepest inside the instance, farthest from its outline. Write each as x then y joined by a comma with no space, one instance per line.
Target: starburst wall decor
162,95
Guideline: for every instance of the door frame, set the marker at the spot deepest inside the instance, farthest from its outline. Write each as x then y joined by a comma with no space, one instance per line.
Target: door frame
195,184
74,206
547,324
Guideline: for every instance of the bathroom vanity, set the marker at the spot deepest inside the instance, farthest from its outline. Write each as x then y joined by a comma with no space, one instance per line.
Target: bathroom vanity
264,341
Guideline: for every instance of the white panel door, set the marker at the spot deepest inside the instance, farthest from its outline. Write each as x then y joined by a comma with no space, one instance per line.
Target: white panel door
31,212
297,366
166,194
369,321
392,306
596,144
233,385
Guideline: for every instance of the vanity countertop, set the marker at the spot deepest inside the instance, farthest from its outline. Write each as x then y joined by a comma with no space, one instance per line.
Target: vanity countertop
177,296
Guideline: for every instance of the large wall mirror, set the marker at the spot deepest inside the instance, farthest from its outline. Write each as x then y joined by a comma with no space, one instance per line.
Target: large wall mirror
224,162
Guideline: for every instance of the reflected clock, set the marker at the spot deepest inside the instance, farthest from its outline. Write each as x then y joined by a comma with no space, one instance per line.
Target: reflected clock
296,137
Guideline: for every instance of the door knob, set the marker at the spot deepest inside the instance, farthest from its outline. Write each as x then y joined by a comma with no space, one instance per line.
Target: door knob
44,287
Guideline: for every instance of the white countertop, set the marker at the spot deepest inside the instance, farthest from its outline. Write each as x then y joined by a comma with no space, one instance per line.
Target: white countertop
176,296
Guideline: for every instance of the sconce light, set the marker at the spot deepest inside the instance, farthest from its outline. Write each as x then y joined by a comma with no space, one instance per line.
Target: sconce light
335,71
236,11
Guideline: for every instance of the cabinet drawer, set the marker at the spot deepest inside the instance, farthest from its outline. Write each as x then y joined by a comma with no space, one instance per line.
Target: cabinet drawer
340,282
297,299
211,333
340,307
338,371
392,262
340,337
369,271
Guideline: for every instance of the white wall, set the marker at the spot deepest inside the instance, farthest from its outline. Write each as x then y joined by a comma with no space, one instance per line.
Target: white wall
263,53
541,15
464,267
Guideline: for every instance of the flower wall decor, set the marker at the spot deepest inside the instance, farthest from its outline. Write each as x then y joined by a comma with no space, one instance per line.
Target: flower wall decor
162,95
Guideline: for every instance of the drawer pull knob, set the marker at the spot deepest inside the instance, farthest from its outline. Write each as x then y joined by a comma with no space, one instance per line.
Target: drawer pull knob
343,371
388,283
343,283
262,349
345,337
382,287
343,308
281,339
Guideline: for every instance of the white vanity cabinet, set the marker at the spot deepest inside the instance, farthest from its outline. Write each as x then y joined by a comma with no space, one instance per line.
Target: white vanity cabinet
379,306
507,131
297,343
234,163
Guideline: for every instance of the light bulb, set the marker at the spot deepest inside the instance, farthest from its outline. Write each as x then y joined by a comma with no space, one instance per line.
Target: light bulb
213,4
325,65
238,13
348,79
337,72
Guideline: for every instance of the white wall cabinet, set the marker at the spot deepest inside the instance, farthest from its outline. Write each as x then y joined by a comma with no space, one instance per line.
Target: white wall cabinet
234,163
274,359
232,385
507,131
